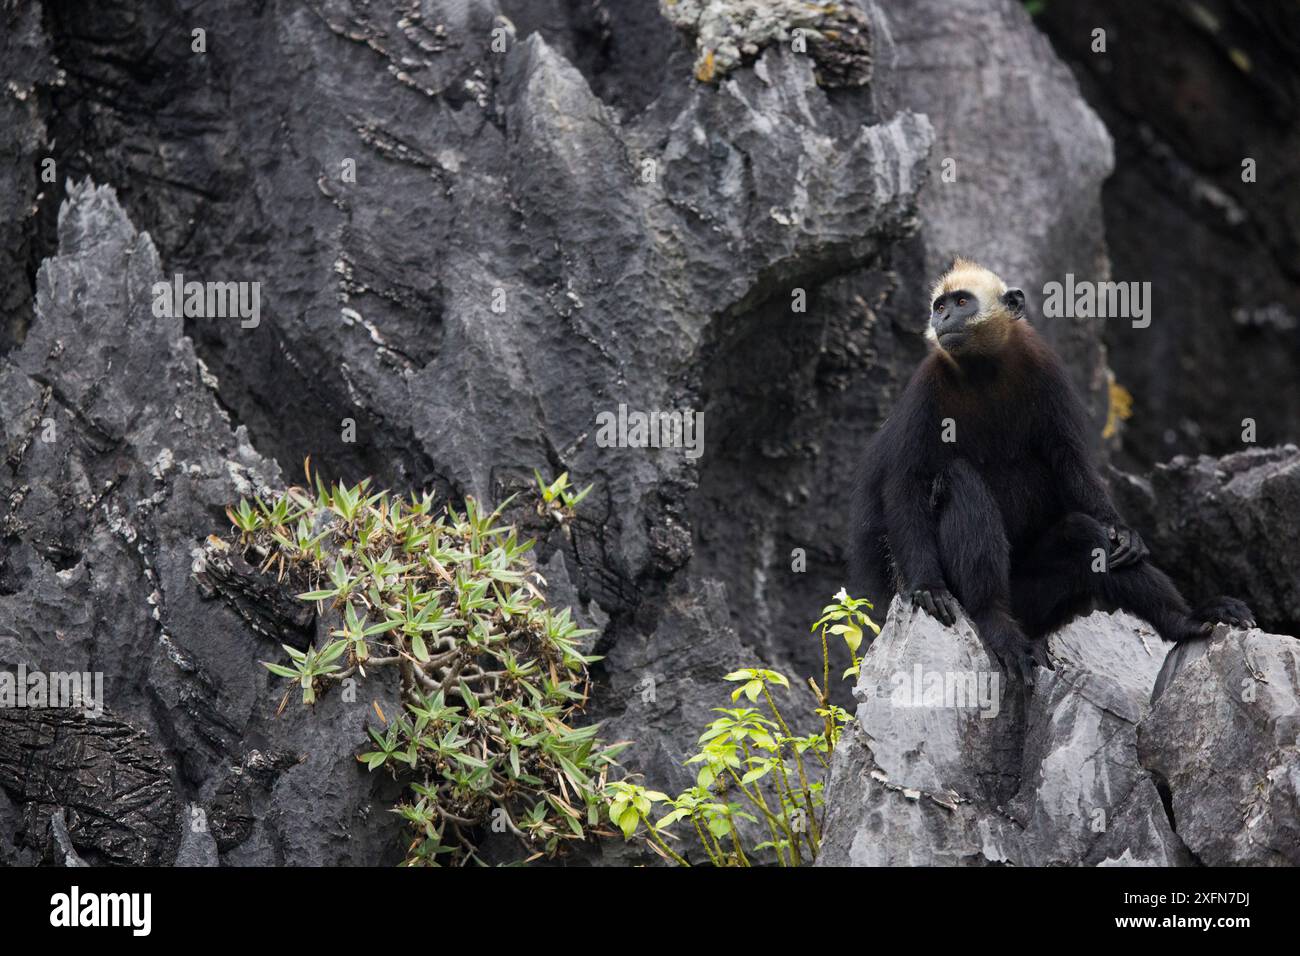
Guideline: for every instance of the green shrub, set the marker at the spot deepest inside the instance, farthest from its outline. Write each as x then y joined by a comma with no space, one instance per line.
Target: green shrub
491,678
753,768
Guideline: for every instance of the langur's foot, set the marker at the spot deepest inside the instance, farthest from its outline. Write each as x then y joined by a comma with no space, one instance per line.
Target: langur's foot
1223,610
1018,654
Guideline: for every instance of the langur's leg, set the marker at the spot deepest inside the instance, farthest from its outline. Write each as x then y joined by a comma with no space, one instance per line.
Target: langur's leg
1069,569
976,559
870,567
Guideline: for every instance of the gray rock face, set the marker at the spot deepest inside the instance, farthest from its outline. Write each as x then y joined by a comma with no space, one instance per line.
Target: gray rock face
947,765
198,847
903,790
1224,738
24,181
1083,798
1207,214
1093,773
118,460
1226,526
65,854
92,782
541,227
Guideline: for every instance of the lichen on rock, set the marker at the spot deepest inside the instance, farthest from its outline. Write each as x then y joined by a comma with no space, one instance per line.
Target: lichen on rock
729,33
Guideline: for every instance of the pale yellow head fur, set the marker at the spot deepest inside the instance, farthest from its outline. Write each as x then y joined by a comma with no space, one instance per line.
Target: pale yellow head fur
968,276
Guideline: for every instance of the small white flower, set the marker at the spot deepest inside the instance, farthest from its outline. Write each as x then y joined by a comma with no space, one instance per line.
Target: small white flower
841,595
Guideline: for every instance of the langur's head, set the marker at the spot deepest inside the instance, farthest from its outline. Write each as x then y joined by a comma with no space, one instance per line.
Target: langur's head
972,310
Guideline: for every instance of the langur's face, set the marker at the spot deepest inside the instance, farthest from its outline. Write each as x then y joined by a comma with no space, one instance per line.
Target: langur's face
953,316
971,311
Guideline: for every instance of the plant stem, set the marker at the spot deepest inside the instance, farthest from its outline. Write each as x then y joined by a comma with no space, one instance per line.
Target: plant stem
826,670
803,776
711,846
735,841
769,818
654,835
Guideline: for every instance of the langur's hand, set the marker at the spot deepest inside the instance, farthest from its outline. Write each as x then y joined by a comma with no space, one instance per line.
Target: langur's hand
1126,547
938,603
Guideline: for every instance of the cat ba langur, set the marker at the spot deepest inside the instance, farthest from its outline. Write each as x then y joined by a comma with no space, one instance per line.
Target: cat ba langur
979,493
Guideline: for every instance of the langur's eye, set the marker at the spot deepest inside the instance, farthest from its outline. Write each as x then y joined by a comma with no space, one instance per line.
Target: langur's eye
961,301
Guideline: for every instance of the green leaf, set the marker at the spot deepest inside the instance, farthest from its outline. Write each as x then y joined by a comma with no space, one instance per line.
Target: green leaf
628,823
670,818
333,652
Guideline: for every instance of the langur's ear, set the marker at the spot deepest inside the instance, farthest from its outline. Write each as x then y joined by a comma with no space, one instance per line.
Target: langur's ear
1014,300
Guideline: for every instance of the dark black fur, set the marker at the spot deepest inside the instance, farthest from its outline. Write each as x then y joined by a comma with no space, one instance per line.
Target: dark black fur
1006,518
